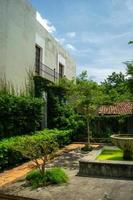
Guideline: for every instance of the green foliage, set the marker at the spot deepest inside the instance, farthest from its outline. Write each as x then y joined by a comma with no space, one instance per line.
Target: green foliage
61,114
41,85
56,176
85,99
130,78
51,176
115,88
11,148
104,126
35,148
6,87
35,179
83,76
43,149
19,115
130,42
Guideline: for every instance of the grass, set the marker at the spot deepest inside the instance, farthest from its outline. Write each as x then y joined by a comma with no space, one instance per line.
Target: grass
54,175
111,155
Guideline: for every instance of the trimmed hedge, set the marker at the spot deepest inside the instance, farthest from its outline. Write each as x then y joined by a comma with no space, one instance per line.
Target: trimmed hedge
19,115
9,157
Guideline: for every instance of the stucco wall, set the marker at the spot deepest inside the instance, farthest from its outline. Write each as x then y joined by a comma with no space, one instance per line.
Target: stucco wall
3,32
20,39
19,32
54,53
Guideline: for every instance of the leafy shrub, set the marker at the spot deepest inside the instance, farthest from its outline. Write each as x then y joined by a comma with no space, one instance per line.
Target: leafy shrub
52,176
56,176
19,115
43,149
11,156
61,113
35,179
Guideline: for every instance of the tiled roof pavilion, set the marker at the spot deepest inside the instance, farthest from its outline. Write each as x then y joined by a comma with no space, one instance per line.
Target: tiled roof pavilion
123,108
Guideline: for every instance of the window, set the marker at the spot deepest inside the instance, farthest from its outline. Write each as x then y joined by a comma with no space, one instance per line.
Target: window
38,59
61,70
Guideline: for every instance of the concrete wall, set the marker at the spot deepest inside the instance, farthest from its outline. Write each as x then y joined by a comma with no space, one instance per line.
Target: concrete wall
54,53
3,36
20,36
106,168
19,32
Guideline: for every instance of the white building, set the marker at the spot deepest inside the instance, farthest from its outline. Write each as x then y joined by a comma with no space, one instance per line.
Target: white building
25,45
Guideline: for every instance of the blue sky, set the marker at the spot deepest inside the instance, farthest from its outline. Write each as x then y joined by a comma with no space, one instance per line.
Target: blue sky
95,32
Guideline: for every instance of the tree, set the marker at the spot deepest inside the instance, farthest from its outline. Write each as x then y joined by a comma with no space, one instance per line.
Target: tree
130,76
85,96
115,88
130,42
83,76
35,150
130,72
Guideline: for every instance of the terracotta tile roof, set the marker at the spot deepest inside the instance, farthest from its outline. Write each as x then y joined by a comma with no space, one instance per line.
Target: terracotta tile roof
118,108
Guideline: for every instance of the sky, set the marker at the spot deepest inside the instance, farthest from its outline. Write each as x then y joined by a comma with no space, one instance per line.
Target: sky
94,32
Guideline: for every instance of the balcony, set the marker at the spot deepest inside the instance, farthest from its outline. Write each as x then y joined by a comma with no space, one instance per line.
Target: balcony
47,73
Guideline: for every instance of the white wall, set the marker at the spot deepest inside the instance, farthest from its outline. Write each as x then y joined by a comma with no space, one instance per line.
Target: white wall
17,47
3,36
19,32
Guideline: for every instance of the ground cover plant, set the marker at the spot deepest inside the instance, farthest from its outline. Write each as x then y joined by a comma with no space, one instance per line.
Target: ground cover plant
54,175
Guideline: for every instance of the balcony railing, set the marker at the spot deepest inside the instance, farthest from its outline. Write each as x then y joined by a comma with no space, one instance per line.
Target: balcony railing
47,72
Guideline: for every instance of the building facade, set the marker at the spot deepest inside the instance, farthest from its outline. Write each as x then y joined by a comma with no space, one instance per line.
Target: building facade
25,45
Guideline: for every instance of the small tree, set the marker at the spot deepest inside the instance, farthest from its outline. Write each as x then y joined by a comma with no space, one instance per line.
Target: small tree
38,150
85,97
87,102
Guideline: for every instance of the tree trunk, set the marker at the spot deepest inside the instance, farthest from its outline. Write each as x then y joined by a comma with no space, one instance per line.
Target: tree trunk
88,133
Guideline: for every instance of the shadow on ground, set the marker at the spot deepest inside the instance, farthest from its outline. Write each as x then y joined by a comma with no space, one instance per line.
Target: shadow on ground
68,160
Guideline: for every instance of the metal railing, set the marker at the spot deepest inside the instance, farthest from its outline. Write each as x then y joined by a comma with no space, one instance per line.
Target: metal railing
48,73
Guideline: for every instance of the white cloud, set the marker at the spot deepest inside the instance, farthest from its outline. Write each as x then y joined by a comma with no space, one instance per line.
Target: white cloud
70,47
105,37
71,34
99,74
62,41
45,23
